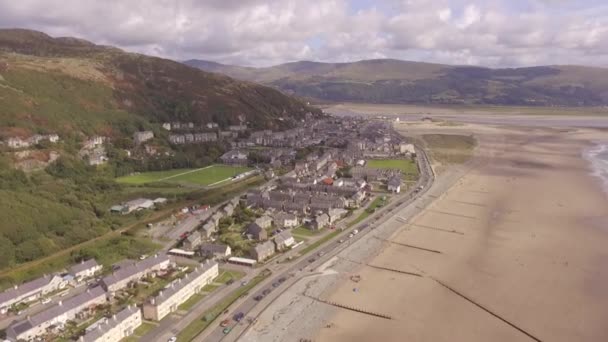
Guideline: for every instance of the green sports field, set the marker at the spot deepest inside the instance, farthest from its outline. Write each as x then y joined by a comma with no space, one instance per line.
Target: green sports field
406,166
204,176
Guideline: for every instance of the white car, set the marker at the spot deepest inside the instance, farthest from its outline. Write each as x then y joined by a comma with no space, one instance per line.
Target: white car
350,236
172,339
45,301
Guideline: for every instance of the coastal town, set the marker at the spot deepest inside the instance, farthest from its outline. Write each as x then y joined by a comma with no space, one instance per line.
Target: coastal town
319,177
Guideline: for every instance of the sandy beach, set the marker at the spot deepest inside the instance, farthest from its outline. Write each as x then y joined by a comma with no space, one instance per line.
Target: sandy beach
531,250
520,234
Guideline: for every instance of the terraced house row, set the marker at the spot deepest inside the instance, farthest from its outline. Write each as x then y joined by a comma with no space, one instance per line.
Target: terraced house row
169,299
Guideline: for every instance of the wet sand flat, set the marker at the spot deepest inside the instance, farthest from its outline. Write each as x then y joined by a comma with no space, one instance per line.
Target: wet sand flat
524,234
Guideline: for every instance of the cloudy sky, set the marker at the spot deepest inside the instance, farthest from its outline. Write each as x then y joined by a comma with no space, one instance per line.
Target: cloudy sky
493,33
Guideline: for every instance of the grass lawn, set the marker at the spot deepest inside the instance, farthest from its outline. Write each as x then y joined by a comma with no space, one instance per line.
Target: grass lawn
304,232
376,203
143,329
188,304
321,241
226,275
203,176
209,316
406,166
210,287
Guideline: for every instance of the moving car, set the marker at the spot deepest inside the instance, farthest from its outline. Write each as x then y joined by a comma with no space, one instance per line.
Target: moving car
239,316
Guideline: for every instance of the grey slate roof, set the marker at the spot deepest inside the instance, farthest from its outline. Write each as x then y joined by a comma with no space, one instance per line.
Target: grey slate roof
283,236
130,270
83,266
57,310
213,248
179,284
102,329
394,181
31,286
263,248
194,237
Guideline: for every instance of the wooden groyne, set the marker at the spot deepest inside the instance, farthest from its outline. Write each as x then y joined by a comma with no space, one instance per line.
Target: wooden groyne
411,246
351,308
487,310
454,231
395,270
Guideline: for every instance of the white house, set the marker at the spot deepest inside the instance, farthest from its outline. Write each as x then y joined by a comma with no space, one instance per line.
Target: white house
85,269
394,184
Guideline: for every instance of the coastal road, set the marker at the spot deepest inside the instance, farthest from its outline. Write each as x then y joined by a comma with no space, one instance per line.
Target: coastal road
302,268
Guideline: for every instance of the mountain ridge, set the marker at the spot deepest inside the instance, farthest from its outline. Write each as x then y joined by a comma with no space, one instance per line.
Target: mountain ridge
397,81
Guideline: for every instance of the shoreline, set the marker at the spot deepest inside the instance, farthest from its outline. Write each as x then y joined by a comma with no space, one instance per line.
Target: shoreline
598,165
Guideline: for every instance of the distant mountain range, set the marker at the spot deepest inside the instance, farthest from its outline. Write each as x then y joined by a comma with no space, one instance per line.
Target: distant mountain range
396,81
69,85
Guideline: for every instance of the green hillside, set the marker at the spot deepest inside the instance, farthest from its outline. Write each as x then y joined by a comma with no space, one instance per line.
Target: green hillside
77,89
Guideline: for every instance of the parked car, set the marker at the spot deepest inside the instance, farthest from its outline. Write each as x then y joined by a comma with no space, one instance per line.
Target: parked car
226,330
258,298
172,339
266,292
275,284
225,323
282,279
230,282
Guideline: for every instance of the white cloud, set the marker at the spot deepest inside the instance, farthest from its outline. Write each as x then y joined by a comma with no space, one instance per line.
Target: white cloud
265,32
